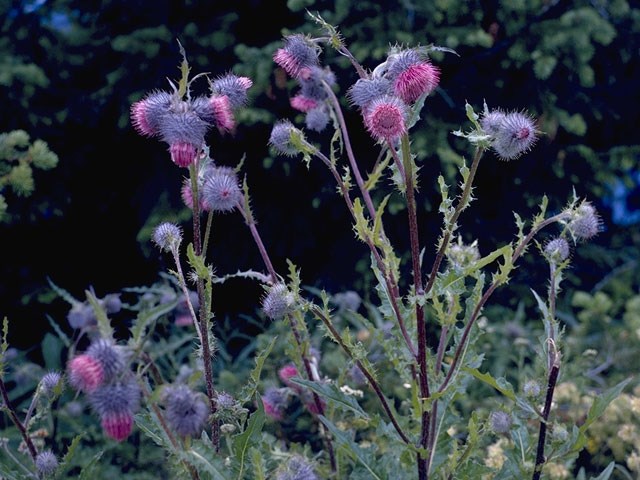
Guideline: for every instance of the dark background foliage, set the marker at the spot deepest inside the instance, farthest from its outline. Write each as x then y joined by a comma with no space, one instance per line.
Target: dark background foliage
69,71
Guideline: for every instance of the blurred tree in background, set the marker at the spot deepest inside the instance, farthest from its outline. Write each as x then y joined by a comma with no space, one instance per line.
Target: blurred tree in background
69,71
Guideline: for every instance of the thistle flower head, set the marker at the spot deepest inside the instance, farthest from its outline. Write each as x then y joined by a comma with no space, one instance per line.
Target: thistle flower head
85,373
116,401
46,463
411,75
50,382
531,389
184,131
385,118
280,138
287,372
183,154
275,401
515,135
297,468
500,422
491,121
461,255
556,250
187,194
585,222
278,302
147,114
317,119
233,87
221,190
81,315
299,53
110,357
312,82
225,401
223,117
302,103
365,90
117,425
186,411
167,236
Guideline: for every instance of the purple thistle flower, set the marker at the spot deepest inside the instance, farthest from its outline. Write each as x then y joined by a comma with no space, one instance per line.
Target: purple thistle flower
222,113
225,401
147,114
491,121
167,236
385,118
233,87
365,91
46,463
50,382
297,468
302,103
585,222
81,315
311,82
515,135
85,373
112,303
557,250
183,154
110,357
317,119
186,411
412,76
280,138
116,397
298,54
278,302
117,425
500,422
275,402
220,190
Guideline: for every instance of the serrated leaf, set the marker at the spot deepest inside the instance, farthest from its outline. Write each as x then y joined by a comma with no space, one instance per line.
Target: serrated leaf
205,461
377,223
249,437
333,395
249,390
71,451
606,473
146,318
104,325
89,469
197,263
184,72
500,384
351,448
542,306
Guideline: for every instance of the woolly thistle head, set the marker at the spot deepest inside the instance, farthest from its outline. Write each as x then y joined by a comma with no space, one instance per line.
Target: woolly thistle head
385,118
411,75
366,90
110,356
500,422
51,383
186,411
584,223
85,373
297,468
298,54
275,401
118,397
233,87
278,302
146,114
514,135
221,189
167,236
280,138
46,463
556,250
317,119
117,425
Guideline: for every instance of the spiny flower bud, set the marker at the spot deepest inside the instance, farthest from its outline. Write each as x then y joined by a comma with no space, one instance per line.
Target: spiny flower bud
280,138
557,250
186,411
275,401
515,135
491,121
302,103
146,114
233,87
365,91
385,118
50,382
278,302
225,401
312,82
585,222
116,403
117,425
317,119
500,422
299,53
167,236
81,315
220,190
110,356
183,154
85,373
223,113
297,468
46,463
412,76
531,389
462,256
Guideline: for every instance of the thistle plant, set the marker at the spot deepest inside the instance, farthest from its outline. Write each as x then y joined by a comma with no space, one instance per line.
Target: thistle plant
395,401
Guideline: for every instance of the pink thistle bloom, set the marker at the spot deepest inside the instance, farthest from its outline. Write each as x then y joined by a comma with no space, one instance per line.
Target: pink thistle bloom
223,113
415,80
233,87
297,55
147,113
85,373
287,372
183,154
515,135
221,190
117,425
275,401
303,104
385,118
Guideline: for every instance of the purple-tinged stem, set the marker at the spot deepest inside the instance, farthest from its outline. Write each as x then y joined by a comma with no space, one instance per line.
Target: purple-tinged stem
16,421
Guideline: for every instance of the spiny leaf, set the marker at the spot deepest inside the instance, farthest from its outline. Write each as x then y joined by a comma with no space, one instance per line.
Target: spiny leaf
377,223
499,384
333,394
104,325
184,72
249,390
249,437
